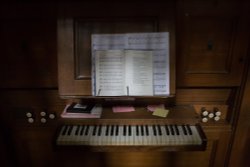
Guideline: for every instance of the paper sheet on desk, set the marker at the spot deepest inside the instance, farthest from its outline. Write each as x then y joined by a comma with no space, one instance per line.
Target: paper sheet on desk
152,108
117,109
161,112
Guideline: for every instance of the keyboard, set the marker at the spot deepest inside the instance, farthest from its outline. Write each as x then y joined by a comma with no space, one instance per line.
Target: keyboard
168,135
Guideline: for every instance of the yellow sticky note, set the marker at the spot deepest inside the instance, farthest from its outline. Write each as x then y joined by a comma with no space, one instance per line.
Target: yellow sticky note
161,112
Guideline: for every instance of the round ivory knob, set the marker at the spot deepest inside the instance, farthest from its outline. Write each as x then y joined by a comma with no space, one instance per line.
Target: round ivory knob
216,118
217,113
211,115
43,113
43,120
204,113
31,120
28,114
204,119
52,116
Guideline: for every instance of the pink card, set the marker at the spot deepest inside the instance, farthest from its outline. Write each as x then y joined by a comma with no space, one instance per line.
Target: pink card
117,109
154,107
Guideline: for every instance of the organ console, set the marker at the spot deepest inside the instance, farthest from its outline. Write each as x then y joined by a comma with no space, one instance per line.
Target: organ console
138,130
180,131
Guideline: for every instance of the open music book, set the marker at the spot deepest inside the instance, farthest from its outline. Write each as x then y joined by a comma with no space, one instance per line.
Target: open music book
123,73
154,44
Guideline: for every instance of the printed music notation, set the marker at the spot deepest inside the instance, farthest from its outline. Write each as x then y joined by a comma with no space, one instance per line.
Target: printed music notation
130,74
158,43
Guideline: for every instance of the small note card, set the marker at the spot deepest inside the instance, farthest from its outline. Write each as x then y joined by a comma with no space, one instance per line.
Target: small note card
117,109
152,108
161,112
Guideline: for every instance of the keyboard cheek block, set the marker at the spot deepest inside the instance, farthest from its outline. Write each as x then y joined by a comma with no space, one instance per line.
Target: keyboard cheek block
132,137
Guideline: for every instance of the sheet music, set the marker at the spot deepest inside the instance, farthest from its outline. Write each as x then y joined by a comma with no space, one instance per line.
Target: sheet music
139,72
110,73
158,43
104,42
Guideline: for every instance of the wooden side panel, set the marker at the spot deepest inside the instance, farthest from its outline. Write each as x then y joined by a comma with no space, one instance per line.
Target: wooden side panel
213,42
29,50
240,150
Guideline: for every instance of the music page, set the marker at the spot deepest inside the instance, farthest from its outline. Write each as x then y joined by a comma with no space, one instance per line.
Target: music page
139,72
109,67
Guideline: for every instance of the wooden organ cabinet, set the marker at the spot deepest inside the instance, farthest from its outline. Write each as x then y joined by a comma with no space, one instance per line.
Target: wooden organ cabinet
46,64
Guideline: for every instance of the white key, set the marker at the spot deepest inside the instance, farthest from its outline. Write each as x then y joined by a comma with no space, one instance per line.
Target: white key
134,137
60,138
77,136
197,137
94,137
131,137
190,138
164,136
122,137
103,140
89,136
152,138
68,136
115,139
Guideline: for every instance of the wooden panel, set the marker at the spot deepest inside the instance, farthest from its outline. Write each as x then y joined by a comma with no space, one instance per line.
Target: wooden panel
203,96
209,41
28,49
213,46
240,148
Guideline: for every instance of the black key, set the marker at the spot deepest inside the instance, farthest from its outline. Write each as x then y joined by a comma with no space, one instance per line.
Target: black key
147,133
172,130
99,130
70,130
86,130
117,130
94,130
77,130
184,129
124,130
107,131
189,130
129,130
112,130
154,130
176,130
137,130
142,130
159,130
82,130
65,130
167,130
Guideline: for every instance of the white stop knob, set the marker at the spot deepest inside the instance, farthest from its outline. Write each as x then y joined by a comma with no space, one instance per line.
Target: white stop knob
217,113
204,113
43,113
43,120
28,114
52,116
31,120
216,118
211,115
204,119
